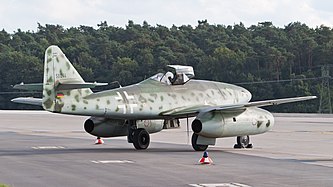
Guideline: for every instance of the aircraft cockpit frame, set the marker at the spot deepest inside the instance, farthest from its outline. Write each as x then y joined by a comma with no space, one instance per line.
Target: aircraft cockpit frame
181,75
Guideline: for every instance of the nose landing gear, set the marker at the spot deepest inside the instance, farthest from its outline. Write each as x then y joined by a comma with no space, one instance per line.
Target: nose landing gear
243,142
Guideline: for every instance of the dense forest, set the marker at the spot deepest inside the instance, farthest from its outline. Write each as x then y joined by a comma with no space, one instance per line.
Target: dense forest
269,61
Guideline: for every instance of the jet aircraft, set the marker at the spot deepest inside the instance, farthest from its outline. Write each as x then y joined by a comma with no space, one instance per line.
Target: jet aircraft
220,109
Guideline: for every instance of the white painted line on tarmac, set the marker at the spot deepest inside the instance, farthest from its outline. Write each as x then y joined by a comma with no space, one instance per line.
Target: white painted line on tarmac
232,184
48,147
112,161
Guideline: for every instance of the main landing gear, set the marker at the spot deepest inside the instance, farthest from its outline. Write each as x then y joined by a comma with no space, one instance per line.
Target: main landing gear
243,142
139,137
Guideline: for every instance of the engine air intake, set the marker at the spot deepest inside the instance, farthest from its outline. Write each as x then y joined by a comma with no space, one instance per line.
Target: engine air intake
196,126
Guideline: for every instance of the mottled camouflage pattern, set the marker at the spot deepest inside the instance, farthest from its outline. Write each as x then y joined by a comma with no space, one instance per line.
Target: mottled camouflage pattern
150,99
249,122
58,69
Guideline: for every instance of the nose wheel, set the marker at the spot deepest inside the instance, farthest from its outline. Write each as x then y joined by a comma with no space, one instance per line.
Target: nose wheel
243,142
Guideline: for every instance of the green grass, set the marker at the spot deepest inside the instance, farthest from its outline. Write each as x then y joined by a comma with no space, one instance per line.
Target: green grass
4,185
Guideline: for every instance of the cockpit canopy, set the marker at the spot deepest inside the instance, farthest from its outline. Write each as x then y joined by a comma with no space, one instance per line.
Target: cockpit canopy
187,70
181,75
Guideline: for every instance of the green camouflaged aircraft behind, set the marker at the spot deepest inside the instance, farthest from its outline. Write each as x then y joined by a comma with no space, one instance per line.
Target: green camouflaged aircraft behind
220,109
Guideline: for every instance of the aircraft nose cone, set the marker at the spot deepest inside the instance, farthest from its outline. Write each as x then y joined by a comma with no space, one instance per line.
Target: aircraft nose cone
249,95
245,95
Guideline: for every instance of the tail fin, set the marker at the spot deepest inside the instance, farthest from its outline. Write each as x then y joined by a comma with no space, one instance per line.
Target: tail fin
59,71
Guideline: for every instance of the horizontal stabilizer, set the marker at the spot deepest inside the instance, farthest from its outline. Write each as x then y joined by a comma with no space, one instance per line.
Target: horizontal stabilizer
72,86
28,100
29,87
61,86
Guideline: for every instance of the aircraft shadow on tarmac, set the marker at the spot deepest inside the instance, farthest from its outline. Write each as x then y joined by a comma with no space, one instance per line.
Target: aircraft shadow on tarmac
29,152
23,145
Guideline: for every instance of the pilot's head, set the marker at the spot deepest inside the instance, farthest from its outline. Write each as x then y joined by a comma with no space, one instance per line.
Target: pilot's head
169,75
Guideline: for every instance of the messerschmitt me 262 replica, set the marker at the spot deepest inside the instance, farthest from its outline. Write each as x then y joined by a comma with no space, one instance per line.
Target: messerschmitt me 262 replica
220,109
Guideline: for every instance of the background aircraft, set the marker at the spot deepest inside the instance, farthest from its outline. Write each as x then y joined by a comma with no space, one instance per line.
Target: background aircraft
220,109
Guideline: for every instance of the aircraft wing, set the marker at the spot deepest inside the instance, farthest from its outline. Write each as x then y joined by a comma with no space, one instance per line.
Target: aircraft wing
184,111
200,109
28,100
278,101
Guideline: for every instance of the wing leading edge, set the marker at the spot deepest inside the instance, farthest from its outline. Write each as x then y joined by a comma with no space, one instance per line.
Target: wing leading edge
194,110
278,101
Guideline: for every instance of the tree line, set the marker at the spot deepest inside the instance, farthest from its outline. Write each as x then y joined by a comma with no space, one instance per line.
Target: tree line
270,61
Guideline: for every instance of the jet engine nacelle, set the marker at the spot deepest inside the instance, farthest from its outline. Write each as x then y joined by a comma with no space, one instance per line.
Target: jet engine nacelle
217,124
104,127
208,125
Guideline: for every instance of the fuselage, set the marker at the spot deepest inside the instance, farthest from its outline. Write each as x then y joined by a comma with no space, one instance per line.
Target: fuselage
150,98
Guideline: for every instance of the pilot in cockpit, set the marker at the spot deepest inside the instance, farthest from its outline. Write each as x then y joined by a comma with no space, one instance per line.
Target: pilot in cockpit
174,79
179,77
167,78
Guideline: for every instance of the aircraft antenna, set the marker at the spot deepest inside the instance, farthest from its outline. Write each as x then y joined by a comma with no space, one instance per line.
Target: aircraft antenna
325,105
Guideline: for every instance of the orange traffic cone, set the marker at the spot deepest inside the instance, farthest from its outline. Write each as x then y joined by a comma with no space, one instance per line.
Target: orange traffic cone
205,159
99,141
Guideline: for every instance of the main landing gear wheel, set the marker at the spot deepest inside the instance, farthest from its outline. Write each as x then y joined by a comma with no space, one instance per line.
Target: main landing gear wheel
243,142
196,146
141,139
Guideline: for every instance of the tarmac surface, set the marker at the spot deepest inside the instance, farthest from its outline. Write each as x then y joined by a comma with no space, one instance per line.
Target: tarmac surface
43,149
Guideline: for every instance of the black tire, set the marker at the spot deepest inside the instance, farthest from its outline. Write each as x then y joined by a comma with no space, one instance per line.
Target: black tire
237,146
196,146
141,139
250,146
243,141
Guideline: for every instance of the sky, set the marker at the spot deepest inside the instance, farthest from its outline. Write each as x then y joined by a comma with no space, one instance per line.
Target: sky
24,15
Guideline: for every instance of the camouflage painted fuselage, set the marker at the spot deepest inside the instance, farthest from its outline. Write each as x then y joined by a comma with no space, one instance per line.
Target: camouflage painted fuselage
64,91
151,99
